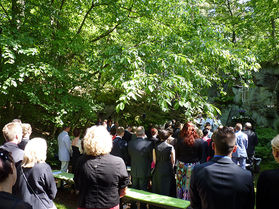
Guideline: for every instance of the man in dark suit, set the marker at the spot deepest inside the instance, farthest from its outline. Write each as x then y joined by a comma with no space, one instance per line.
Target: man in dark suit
252,140
140,151
13,135
220,183
120,146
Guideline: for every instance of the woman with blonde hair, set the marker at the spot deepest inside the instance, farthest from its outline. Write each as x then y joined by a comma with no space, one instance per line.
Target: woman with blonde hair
101,178
268,182
26,132
35,184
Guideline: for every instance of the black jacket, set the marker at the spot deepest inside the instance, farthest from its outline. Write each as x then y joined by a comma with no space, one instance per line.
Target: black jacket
41,179
23,143
189,154
140,151
17,153
10,201
120,149
221,184
252,141
99,180
267,189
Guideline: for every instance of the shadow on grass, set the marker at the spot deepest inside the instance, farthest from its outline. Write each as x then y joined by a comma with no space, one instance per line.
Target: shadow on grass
65,199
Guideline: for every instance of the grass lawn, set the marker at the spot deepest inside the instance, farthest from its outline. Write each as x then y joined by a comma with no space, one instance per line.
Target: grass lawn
61,206
65,199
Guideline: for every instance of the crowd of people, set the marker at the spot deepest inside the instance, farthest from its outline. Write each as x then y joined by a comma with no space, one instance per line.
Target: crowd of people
203,162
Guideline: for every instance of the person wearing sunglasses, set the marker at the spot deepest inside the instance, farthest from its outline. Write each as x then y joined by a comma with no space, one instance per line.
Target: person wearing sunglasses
8,177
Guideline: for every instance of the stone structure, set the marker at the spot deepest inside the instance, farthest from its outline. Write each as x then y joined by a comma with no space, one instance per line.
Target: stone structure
260,102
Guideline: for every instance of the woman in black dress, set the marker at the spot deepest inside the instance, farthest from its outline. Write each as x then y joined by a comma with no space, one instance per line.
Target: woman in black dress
163,180
268,182
76,148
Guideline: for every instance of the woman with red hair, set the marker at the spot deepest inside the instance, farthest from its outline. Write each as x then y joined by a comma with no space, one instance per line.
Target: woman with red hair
188,154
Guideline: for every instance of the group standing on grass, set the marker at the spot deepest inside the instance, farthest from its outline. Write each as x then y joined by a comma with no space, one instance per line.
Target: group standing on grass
206,167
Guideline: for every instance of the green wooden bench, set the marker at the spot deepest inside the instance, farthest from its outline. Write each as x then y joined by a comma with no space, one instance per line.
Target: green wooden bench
135,194
59,175
155,199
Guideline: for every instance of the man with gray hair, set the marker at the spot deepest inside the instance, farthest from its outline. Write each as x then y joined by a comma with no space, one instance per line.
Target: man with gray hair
140,151
252,140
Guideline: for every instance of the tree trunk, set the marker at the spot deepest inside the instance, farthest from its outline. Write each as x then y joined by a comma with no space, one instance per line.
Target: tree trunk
1,59
53,132
273,37
234,37
17,13
273,28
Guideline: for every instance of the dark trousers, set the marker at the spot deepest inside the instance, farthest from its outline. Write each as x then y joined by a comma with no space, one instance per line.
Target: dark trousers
140,183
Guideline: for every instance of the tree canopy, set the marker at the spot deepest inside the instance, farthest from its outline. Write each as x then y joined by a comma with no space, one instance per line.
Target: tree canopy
70,60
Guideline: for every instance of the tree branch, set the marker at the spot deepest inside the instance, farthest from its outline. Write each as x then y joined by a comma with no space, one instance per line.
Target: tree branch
85,16
6,13
105,33
0,53
229,7
130,10
273,28
233,25
61,6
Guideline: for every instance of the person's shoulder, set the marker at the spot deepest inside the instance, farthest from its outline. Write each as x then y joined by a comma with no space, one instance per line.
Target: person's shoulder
168,145
240,171
114,159
10,199
132,142
242,133
19,150
270,173
41,168
199,142
148,141
203,166
61,133
116,140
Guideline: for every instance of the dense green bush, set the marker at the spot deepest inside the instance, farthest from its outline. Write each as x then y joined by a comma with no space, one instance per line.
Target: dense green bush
265,135
52,153
263,149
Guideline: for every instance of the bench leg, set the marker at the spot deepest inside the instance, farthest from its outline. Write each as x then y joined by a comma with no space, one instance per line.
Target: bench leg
138,205
59,183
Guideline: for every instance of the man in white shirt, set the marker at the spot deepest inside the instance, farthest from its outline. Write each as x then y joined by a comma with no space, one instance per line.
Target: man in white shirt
64,149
